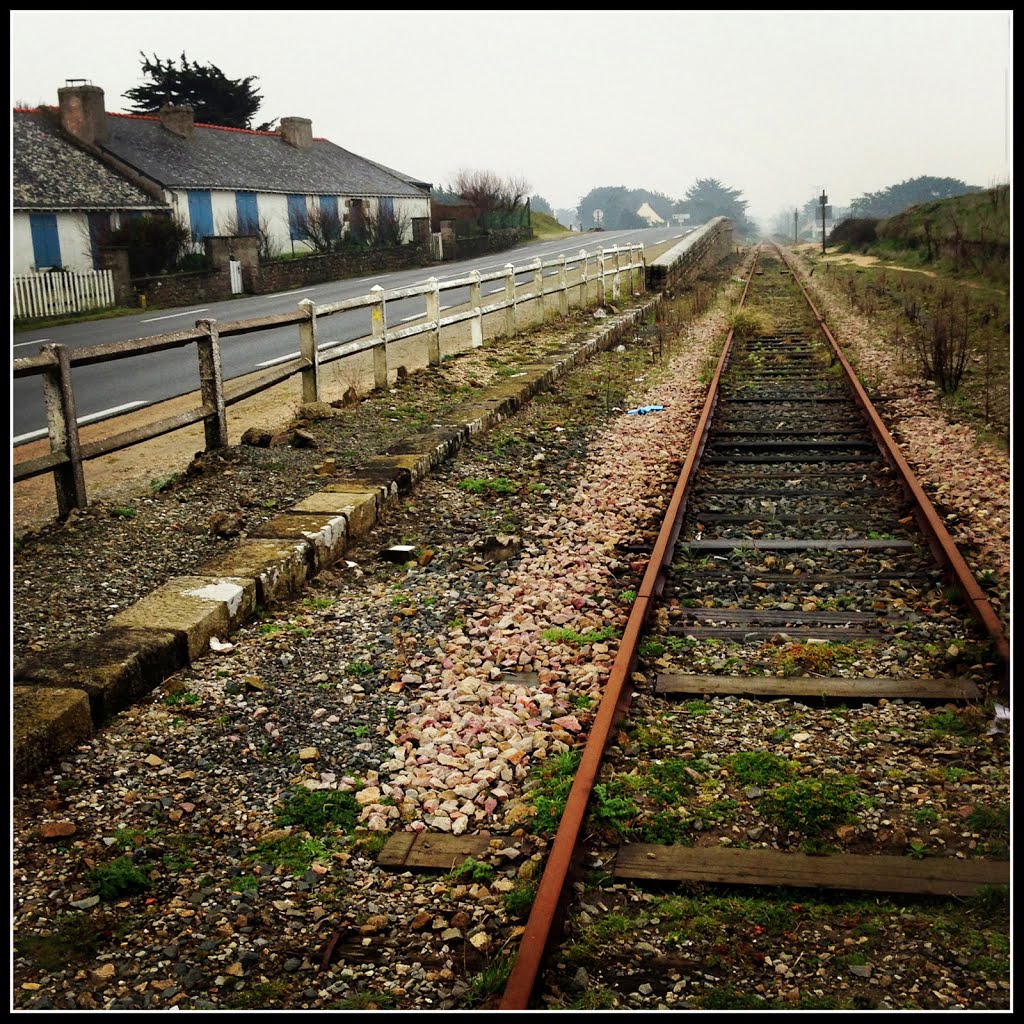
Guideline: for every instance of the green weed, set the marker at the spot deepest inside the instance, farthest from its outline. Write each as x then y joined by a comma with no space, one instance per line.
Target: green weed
314,810
118,878
813,806
759,767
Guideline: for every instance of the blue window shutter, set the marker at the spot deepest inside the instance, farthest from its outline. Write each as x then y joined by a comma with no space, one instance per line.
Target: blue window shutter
297,217
387,207
45,243
200,214
247,213
329,207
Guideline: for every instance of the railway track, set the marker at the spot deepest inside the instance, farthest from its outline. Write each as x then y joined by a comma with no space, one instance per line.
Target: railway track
802,601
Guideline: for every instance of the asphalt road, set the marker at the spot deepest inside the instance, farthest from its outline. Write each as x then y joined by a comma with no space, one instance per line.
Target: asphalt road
107,389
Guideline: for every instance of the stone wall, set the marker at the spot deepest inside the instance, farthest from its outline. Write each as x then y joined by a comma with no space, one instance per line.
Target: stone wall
701,249
261,278
482,245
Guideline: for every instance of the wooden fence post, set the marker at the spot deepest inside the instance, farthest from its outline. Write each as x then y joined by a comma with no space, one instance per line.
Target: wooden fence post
309,352
211,385
434,315
69,479
379,327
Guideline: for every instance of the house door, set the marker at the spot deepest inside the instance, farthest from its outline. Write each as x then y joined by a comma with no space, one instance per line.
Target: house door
45,243
99,234
357,219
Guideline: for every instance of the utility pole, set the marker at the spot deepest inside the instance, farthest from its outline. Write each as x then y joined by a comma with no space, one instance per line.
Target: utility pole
795,213
823,200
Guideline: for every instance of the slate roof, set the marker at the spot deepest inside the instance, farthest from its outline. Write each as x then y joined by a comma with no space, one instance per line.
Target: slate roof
50,173
237,159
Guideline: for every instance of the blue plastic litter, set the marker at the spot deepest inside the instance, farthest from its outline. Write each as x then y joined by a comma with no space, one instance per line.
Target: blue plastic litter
642,410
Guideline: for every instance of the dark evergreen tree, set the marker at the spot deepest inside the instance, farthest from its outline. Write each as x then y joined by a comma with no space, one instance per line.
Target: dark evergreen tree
708,198
213,97
896,198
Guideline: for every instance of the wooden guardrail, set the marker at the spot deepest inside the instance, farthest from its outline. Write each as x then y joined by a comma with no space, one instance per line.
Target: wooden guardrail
598,276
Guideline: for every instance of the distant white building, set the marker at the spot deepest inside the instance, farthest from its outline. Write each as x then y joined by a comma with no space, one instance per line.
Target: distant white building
653,218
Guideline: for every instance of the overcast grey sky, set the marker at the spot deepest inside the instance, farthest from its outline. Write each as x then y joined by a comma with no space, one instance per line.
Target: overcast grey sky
778,105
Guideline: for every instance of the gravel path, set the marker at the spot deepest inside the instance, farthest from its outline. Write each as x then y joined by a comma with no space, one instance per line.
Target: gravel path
214,847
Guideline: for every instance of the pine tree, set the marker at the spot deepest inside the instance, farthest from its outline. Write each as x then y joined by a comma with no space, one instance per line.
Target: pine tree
214,98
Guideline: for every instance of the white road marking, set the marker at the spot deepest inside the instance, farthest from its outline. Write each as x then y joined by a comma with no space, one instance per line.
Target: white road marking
281,295
35,341
171,316
82,420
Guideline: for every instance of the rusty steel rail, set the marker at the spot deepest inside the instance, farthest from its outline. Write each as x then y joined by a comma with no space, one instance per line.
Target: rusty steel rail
542,923
942,545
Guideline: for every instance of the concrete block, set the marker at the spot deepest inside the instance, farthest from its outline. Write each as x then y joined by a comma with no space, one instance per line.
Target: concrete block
201,607
114,669
47,723
279,567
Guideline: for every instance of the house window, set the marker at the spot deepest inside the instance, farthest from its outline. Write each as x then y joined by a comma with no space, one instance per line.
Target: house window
387,208
45,243
297,221
247,213
200,215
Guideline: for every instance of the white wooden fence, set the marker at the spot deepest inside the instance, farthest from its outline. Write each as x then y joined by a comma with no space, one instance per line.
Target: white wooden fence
59,292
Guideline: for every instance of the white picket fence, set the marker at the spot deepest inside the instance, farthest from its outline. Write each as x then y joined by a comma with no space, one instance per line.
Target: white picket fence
59,291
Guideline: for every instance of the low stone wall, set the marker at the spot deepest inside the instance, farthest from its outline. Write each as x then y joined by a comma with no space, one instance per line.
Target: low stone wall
261,278
702,248
276,275
483,245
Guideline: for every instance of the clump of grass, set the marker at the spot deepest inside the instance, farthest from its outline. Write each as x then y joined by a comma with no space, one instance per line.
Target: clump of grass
759,767
813,806
313,810
553,782
478,485
473,870
751,323
118,878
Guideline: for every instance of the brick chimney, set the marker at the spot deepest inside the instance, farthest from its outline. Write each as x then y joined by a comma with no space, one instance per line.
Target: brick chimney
297,131
82,111
178,121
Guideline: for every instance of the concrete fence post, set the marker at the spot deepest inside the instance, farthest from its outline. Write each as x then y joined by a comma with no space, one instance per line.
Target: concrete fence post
308,350
617,280
510,298
563,286
434,315
538,285
600,278
476,325
62,420
379,329
584,289
211,385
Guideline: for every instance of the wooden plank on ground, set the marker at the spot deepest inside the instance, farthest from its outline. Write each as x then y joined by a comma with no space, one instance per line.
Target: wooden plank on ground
863,688
936,876
432,850
776,615
789,544
748,634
